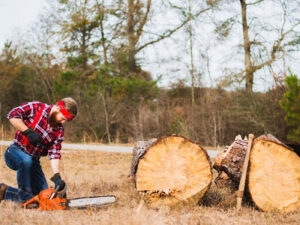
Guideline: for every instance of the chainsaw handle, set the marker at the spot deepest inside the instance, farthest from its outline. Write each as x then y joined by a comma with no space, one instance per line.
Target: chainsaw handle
34,199
54,193
61,194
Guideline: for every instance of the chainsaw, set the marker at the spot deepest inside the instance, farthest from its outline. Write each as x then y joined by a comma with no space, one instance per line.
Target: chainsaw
52,199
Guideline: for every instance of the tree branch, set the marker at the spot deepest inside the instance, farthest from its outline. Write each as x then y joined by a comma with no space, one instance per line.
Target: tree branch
254,3
140,29
276,48
170,32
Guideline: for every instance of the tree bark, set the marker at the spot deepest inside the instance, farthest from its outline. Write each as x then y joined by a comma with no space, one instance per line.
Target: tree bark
138,151
231,159
223,180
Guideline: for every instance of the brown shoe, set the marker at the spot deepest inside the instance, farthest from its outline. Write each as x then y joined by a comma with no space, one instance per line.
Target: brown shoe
3,188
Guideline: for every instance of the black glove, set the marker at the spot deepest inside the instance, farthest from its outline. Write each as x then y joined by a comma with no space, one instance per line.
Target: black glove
58,182
33,137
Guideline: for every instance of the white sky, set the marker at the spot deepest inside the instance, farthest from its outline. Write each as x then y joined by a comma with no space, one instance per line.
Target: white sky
17,16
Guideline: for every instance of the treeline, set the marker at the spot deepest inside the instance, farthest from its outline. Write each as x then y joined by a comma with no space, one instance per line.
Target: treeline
94,51
114,108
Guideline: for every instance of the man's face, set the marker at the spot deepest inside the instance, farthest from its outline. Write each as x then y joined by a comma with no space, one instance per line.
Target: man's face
56,118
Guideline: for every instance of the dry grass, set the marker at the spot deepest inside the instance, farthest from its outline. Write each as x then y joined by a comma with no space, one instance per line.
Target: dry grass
90,173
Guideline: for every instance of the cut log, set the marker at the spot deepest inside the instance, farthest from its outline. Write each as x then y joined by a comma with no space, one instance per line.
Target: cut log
231,160
170,170
273,180
274,175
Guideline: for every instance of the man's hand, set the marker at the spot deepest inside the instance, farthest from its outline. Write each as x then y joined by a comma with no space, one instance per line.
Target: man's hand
33,137
58,182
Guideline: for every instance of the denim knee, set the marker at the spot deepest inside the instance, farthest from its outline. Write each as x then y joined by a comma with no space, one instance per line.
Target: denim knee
16,159
26,162
11,160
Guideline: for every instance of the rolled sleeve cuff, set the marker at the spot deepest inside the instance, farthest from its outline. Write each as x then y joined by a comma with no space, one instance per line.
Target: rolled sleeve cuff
14,114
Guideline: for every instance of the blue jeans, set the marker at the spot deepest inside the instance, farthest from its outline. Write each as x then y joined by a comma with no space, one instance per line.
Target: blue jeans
30,176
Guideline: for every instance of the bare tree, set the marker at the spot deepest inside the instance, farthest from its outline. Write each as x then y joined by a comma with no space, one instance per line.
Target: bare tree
138,15
259,48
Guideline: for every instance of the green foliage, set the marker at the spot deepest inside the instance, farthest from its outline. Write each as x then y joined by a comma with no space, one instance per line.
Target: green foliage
134,89
74,62
66,84
130,90
291,105
100,92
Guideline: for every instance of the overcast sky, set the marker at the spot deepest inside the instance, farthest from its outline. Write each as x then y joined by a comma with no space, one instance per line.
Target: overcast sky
17,15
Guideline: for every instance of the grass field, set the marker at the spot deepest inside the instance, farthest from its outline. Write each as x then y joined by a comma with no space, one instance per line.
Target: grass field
90,173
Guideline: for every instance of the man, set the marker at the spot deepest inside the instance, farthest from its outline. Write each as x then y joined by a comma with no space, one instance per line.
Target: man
39,133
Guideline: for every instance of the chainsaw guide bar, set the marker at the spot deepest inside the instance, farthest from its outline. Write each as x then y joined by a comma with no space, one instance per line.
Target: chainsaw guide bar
91,201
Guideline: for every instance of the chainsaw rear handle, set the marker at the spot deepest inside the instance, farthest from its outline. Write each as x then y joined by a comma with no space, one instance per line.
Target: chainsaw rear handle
34,199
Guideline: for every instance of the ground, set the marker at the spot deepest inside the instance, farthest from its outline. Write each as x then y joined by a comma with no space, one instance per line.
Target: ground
90,173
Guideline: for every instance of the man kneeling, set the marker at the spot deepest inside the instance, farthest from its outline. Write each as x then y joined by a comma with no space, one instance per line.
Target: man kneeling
39,133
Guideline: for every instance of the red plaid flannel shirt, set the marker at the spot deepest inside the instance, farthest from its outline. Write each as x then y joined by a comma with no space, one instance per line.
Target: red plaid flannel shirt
52,137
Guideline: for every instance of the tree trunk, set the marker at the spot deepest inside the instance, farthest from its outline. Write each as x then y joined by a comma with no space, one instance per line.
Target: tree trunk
106,116
132,38
247,48
170,170
273,174
103,37
190,32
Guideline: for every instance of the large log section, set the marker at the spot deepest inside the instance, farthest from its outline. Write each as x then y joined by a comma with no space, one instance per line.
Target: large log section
273,174
170,170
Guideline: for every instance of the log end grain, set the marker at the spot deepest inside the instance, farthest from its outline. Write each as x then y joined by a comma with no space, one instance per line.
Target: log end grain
274,176
173,170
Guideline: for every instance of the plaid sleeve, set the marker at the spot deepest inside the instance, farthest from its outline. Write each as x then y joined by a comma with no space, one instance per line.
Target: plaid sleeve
24,111
54,150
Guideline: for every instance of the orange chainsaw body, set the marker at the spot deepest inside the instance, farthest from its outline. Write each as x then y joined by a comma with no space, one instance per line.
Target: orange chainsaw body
59,202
